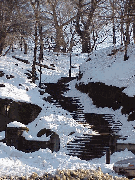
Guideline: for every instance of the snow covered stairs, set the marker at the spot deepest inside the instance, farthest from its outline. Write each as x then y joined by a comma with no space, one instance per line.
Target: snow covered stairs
88,146
115,126
70,104
103,123
94,146
79,115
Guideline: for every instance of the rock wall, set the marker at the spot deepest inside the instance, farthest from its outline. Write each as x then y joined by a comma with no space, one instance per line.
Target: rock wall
23,112
17,111
14,137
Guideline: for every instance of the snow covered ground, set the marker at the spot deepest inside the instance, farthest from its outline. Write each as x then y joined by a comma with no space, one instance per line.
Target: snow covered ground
101,68
111,70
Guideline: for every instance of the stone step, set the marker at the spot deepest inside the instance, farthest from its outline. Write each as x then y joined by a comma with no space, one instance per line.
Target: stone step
79,111
79,117
65,79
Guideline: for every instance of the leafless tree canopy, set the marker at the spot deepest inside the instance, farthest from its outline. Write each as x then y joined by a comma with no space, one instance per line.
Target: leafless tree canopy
60,25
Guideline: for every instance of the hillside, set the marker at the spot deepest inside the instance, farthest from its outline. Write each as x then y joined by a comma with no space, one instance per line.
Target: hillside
14,162
109,82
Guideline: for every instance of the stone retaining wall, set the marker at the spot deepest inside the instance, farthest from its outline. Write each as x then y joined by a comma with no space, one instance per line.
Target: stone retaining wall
14,138
17,111
123,146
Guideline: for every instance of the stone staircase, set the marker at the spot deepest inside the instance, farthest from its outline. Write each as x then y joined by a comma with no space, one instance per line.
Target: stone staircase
88,146
103,123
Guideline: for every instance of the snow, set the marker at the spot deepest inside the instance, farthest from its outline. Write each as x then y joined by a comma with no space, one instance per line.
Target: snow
2,135
15,124
13,162
13,91
29,137
111,70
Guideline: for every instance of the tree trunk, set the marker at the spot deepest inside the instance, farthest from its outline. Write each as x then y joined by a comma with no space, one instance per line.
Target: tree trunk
2,40
41,44
134,30
85,42
60,42
125,55
85,34
36,41
114,37
127,35
121,29
127,32
1,47
35,56
12,48
21,43
41,50
25,48
85,37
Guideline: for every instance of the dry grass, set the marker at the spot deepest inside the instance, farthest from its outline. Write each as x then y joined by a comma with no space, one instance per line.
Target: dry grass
69,175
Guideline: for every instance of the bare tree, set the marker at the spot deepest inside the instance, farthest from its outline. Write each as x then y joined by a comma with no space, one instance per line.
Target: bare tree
61,14
13,21
85,26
